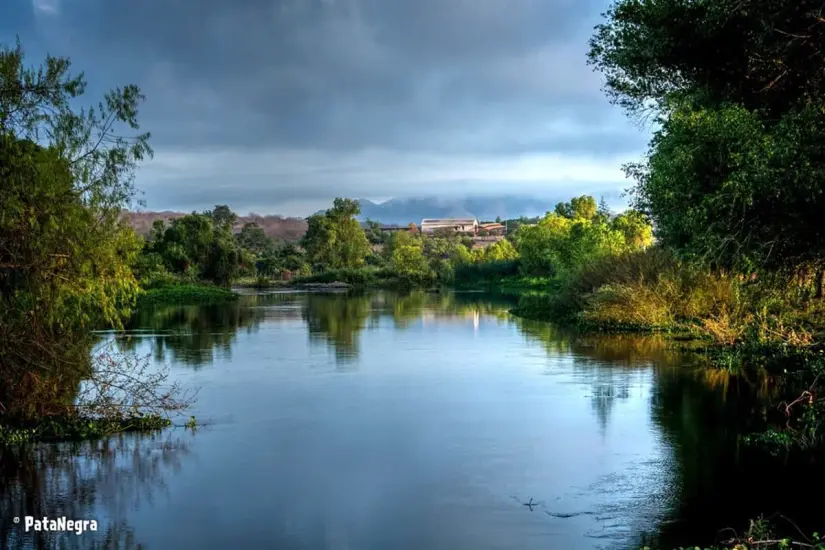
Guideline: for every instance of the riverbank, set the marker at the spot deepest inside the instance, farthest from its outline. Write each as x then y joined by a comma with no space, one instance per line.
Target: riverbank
341,279
186,295
76,428
768,331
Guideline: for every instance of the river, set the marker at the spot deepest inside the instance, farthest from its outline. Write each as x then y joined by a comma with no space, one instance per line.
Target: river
426,421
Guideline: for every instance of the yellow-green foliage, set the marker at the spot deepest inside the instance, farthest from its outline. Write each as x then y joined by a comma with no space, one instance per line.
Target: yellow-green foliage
653,289
501,251
577,233
645,288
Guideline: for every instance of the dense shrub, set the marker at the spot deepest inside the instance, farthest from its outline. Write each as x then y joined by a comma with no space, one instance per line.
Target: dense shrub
489,273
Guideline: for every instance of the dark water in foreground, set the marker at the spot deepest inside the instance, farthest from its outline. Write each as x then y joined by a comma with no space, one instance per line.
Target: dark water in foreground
418,422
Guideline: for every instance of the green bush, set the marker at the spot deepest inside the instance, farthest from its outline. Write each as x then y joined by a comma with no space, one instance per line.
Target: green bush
485,274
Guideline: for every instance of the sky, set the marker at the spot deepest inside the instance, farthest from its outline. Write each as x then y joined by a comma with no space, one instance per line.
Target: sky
278,106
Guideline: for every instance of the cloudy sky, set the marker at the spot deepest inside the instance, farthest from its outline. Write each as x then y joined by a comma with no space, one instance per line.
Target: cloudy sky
277,106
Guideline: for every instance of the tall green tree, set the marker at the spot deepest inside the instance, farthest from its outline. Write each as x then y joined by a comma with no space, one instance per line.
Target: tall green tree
65,255
579,208
223,216
335,239
734,175
253,238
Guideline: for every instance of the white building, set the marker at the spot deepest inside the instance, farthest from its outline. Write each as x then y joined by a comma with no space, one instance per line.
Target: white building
459,225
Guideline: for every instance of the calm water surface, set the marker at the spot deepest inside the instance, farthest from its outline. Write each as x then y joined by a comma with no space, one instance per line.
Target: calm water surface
413,422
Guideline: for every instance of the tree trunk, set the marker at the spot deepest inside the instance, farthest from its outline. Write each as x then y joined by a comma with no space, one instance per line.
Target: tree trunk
820,274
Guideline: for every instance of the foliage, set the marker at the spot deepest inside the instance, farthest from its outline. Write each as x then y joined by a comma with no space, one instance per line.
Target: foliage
65,256
485,274
335,239
578,233
193,247
223,217
352,276
734,174
253,239
726,188
758,54
501,251
279,259
409,263
373,232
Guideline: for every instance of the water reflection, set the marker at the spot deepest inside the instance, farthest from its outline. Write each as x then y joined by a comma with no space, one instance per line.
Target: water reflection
668,428
198,335
701,414
337,319
191,335
102,480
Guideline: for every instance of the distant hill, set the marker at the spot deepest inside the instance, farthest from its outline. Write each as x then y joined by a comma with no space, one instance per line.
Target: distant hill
277,227
404,211
391,212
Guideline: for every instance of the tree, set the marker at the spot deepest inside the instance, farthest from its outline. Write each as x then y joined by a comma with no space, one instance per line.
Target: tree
65,255
561,244
501,251
335,239
636,229
408,260
659,54
194,247
222,216
223,260
253,238
583,208
373,232
734,175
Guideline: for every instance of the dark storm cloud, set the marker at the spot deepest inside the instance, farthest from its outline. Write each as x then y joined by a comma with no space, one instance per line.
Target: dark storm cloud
457,77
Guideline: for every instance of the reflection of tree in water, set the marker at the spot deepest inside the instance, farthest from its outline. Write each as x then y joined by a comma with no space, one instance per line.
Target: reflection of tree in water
713,481
410,307
192,334
88,480
337,319
722,483
610,363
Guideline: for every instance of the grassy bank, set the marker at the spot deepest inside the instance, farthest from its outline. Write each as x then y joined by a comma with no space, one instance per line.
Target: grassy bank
653,290
71,428
186,295
769,328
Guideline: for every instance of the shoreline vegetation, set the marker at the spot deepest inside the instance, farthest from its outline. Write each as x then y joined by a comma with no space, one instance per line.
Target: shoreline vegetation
185,294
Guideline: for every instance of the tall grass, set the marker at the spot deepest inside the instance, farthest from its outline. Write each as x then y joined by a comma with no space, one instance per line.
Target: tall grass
654,290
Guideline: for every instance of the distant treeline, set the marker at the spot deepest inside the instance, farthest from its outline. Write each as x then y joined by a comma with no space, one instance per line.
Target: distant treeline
275,227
